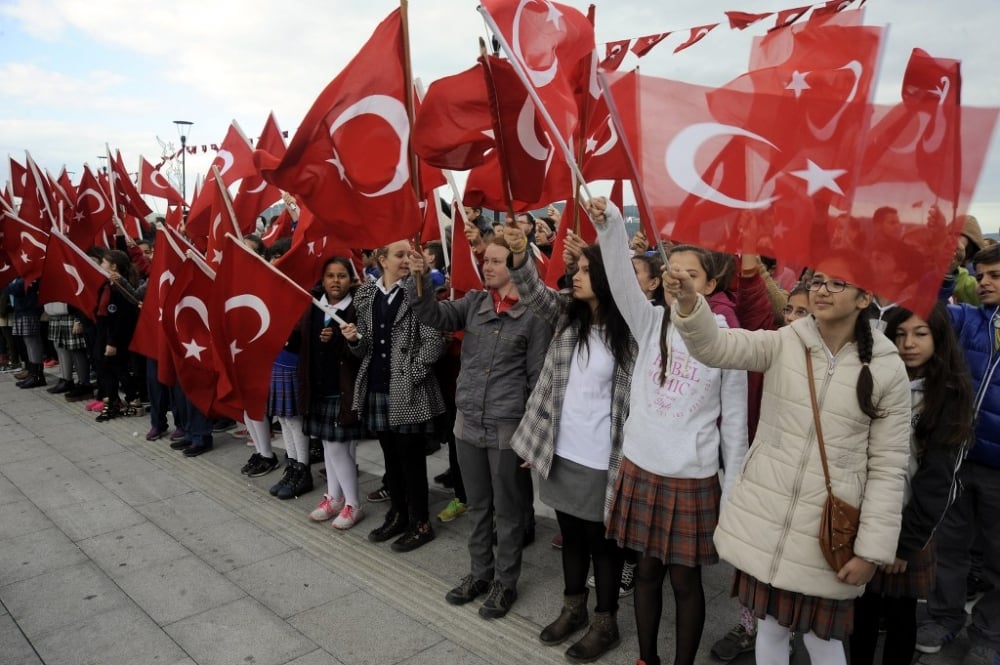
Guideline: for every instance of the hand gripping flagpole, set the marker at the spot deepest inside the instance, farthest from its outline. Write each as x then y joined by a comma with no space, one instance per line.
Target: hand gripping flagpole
546,116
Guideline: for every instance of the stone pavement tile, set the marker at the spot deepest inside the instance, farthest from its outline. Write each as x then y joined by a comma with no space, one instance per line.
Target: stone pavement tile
14,648
317,657
61,597
16,432
238,633
291,582
133,548
21,517
185,513
29,447
362,629
9,492
232,544
36,553
123,636
78,443
445,652
41,420
92,518
178,589
123,464
54,481
147,487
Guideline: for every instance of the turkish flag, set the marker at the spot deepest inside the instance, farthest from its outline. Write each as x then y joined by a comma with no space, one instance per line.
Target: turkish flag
786,17
743,20
25,246
18,177
64,198
554,44
348,162
34,208
127,196
256,194
465,275
222,223
312,244
253,311
174,217
7,272
234,160
556,267
614,54
453,128
696,35
644,45
70,276
166,263
281,228
188,336
92,213
153,183
604,156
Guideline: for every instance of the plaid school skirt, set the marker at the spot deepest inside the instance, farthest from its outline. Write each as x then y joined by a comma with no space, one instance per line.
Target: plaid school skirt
27,325
283,398
61,333
323,421
377,417
916,582
827,618
670,519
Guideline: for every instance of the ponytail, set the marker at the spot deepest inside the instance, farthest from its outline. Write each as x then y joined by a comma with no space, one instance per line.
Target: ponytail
866,384
664,348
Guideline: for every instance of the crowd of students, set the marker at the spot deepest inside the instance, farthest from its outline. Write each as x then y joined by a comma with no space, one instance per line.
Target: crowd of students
673,416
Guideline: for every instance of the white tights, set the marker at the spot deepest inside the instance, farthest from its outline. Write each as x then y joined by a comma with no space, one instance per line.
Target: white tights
296,442
340,459
260,434
772,646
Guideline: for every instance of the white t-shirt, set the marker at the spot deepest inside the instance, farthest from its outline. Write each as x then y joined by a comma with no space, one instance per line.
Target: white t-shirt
585,423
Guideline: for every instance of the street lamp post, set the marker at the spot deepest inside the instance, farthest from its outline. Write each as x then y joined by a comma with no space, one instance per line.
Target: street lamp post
183,129
104,164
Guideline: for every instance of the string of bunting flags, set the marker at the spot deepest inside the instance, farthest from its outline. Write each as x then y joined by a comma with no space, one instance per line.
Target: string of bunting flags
193,150
616,51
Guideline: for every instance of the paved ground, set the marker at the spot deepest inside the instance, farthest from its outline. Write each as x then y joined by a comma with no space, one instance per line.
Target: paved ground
117,550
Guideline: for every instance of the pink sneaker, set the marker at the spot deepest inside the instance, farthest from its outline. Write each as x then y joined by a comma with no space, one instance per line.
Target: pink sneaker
96,406
327,509
348,517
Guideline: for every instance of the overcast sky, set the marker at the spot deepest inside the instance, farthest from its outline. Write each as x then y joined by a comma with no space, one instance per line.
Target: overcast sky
74,75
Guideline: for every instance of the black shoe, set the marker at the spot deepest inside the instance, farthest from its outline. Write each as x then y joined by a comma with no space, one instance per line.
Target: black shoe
416,536
109,412
62,386
285,478
265,465
467,591
197,449
79,393
445,479
180,445
33,381
300,483
394,525
251,464
498,601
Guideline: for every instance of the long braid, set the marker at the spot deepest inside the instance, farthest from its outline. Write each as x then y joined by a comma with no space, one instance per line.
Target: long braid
866,384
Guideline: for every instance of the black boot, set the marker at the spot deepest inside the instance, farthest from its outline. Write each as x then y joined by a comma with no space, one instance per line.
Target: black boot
285,479
572,618
35,378
298,484
600,638
62,386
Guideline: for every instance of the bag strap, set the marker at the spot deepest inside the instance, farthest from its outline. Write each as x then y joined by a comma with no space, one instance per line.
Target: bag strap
819,429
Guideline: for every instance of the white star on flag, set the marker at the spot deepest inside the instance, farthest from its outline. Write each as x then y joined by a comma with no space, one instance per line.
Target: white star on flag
554,17
192,349
819,178
591,144
25,258
233,349
798,83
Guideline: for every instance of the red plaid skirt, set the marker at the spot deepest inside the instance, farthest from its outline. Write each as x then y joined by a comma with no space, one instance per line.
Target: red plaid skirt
917,582
827,618
670,519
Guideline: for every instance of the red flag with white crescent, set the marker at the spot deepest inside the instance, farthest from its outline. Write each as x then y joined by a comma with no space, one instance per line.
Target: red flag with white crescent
70,276
25,245
153,183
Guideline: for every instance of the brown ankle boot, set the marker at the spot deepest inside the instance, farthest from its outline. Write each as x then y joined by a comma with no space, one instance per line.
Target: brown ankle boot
572,617
600,638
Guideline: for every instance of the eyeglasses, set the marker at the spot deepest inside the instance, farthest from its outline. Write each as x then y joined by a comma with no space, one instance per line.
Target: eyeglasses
832,285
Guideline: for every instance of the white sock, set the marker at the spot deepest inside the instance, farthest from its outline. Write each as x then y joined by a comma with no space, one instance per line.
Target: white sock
260,434
342,470
772,642
296,442
824,652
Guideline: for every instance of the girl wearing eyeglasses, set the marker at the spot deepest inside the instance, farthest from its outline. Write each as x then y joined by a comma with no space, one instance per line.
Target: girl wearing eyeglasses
769,527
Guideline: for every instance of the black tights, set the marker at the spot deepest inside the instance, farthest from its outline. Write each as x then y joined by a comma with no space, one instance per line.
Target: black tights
584,541
689,598
900,629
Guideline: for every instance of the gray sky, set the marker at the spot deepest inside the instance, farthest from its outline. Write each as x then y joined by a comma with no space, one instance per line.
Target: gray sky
78,74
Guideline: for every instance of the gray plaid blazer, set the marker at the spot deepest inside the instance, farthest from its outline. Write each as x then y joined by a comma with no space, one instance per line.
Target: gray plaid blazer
535,438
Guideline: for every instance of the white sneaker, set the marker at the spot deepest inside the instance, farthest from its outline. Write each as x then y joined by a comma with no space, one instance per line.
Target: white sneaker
327,509
348,517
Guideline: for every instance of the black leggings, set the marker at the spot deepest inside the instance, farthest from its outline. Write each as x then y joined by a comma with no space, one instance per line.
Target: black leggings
689,598
406,474
900,616
585,542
